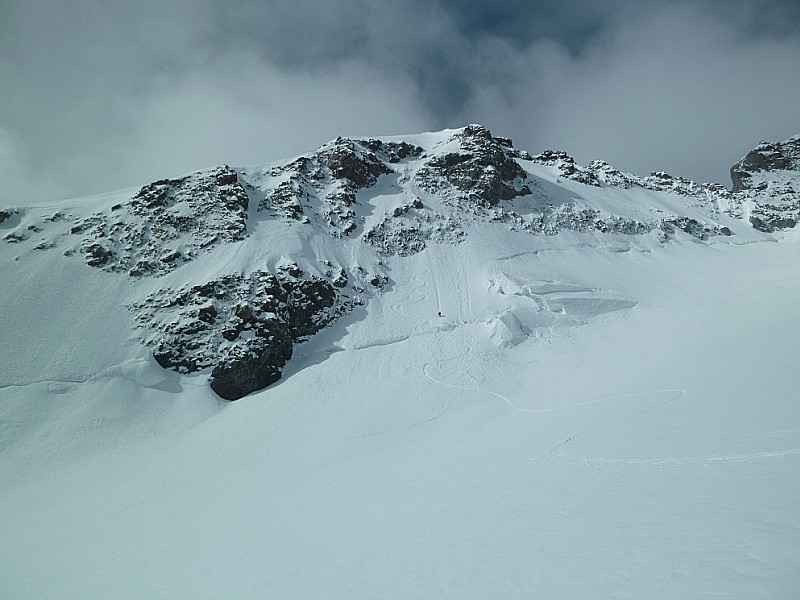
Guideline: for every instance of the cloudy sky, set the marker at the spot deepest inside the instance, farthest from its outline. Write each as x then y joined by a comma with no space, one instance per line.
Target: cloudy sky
104,94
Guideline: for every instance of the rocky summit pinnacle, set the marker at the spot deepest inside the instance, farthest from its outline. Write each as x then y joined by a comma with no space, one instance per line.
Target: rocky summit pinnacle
767,179
767,156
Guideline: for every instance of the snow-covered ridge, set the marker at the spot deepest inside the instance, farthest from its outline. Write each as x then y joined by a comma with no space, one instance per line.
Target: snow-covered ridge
215,289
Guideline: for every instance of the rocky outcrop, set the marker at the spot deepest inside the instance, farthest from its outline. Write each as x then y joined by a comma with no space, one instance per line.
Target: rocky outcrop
692,227
599,173
767,156
660,181
575,216
10,219
320,189
242,327
761,182
766,181
357,166
15,238
483,171
566,166
167,223
408,229
772,218
596,173
604,174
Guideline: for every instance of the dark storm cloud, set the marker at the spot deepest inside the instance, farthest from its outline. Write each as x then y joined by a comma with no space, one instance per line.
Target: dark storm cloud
98,95
678,86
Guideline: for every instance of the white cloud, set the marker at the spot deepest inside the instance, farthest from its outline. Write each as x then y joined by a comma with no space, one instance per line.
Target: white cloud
242,110
20,182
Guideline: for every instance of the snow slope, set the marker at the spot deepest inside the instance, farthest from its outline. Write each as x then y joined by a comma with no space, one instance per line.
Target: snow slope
593,414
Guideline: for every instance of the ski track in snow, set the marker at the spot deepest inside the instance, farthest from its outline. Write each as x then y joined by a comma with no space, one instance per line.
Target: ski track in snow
432,272
413,296
429,376
555,451
385,342
410,294
682,460
41,381
505,399
416,296
465,387
517,255
659,461
445,407
111,371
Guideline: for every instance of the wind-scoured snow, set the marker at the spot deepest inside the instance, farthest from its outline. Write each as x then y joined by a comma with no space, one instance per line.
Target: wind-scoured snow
511,413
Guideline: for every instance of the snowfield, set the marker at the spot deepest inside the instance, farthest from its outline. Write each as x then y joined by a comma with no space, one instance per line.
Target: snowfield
514,416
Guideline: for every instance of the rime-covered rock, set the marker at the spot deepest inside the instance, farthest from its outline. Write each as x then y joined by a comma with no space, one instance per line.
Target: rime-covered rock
408,229
767,180
166,224
242,327
321,188
482,170
566,166
766,157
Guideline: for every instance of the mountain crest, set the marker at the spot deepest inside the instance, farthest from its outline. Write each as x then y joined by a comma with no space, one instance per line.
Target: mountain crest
348,208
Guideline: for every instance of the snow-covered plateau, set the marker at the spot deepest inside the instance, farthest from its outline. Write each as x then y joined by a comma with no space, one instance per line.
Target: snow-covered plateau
460,371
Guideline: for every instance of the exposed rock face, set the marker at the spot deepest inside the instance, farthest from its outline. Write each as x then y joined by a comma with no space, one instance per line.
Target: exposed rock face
408,229
321,188
15,238
573,216
781,156
242,327
660,181
603,173
567,167
166,224
244,370
764,179
771,218
358,166
483,170
9,219
599,173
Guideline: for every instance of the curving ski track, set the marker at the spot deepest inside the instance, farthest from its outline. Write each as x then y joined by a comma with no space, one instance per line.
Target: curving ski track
675,461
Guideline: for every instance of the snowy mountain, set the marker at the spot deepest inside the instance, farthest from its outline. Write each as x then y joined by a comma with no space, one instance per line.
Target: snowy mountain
469,371
395,197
